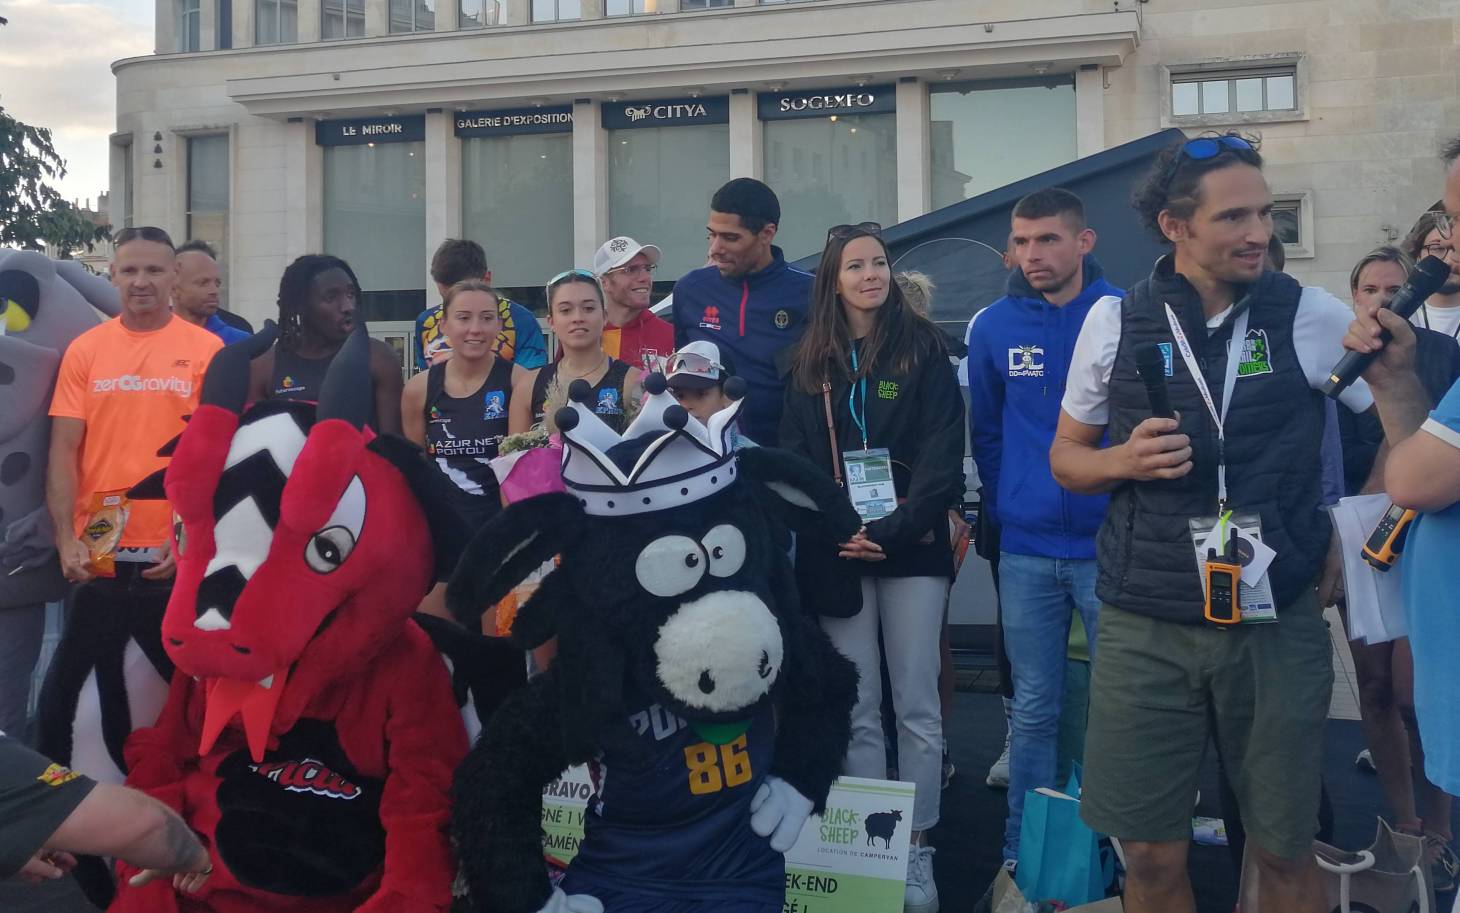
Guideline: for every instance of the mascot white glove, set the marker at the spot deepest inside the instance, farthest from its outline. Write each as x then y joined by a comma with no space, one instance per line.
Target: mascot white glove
571,903
778,812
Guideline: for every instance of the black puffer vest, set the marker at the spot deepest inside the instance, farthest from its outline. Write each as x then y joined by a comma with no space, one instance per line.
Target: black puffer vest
1274,429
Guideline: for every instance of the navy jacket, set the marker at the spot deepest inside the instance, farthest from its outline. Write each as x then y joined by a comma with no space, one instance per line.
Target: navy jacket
1019,351
753,318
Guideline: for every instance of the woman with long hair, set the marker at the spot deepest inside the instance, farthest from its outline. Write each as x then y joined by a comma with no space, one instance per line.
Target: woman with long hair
872,394
576,317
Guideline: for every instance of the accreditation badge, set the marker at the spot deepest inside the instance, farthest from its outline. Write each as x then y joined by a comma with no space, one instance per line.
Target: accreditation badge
869,482
1239,534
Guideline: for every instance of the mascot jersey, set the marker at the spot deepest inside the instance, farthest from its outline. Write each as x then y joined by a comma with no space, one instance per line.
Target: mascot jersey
674,824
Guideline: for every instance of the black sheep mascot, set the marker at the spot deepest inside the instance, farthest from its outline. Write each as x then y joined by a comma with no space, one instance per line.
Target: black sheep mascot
713,714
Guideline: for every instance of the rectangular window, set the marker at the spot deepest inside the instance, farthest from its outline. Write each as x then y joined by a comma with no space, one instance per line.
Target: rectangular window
1292,223
207,214
473,14
375,218
342,19
127,191
517,202
705,4
225,24
1035,120
1208,94
276,21
839,170
631,7
556,10
190,30
412,15
649,170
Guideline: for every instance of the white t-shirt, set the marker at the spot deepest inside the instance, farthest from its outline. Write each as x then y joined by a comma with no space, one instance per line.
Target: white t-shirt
1318,330
1441,320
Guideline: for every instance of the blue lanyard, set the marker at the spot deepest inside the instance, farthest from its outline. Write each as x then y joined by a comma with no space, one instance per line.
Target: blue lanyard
861,419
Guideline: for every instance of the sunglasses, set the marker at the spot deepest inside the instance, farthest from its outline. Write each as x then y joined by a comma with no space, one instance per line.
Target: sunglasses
576,273
644,268
1207,147
692,363
840,232
141,233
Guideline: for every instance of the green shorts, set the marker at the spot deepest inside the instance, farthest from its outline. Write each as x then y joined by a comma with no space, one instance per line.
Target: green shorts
1161,689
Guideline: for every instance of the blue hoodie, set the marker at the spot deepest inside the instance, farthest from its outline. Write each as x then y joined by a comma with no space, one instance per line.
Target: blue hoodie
1019,351
752,318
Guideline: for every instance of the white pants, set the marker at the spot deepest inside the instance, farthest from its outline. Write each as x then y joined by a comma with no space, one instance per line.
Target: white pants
909,611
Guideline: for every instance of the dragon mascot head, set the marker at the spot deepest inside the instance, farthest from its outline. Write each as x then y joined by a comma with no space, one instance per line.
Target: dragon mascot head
317,717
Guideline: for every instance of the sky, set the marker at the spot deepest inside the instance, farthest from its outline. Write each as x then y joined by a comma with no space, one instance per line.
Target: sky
55,71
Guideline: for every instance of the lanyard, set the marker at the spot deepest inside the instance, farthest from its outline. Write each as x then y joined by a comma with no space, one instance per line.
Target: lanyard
1424,311
1229,384
860,420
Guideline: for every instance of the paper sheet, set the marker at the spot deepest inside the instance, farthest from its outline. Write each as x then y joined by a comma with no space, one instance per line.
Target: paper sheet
1375,600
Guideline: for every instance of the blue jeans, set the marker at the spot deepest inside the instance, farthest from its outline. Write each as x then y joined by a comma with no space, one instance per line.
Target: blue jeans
1039,597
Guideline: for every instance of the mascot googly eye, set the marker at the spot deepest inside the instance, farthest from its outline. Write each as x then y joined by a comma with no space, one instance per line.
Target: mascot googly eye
686,675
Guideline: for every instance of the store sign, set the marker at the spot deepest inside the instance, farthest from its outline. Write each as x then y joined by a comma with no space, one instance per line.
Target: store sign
671,112
366,130
825,102
517,120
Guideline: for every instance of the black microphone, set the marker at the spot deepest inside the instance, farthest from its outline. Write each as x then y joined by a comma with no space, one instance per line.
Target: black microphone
1151,363
1426,278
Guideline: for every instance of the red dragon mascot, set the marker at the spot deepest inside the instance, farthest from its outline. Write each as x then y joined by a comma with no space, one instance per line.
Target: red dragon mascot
312,728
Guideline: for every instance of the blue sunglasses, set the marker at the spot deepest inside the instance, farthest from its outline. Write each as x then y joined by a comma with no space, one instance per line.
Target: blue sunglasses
1206,147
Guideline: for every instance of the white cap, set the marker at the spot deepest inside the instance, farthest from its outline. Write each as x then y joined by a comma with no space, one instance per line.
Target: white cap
615,252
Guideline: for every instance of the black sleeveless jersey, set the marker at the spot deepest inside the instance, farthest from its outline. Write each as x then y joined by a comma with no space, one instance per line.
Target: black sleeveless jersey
608,394
462,433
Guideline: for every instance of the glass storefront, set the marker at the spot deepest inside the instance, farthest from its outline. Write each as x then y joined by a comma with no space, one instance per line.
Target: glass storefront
517,202
984,135
661,178
375,210
207,215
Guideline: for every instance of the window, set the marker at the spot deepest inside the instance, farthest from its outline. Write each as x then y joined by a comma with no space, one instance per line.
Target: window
127,208
1035,119
517,202
190,32
412,15
225,24
649,170
705,4
276,21
831,171
474,14
1292,222
207,215
343,19
631,7
375,218
556,10
1264,91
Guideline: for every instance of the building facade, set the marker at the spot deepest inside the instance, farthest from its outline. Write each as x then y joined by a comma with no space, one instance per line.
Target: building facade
373,129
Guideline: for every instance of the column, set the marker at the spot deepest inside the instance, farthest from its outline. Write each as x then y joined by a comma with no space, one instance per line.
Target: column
914,189
377,18
590,181
208,25
243,24
443,187
1089,110
311,22
746,159
514,12
303,188
167,23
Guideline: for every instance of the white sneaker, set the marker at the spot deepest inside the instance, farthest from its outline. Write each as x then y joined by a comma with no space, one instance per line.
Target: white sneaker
998,777
921,895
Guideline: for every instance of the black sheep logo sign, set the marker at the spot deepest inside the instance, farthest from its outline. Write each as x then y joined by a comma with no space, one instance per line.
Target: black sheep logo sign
853,859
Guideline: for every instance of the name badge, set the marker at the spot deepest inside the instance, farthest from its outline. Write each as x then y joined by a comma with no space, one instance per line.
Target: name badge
869,482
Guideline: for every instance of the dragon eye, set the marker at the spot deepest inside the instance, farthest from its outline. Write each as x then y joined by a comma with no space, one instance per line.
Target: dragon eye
328,549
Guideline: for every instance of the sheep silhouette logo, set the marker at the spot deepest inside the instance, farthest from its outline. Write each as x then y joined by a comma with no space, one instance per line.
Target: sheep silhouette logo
882,825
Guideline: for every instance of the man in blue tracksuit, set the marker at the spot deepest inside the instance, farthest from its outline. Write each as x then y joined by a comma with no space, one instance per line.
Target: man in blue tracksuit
749,302
1019,351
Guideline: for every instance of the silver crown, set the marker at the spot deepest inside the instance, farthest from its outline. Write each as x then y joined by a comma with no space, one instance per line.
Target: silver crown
687,461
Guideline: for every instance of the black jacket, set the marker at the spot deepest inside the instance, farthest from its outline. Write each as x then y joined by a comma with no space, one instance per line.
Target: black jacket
919,418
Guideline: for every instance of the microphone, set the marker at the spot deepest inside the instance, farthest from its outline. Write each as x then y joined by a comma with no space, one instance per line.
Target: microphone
1151,363
1426,278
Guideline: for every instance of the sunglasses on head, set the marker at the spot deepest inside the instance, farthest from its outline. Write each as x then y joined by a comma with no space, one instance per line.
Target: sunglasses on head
574,273
1207,147
839,232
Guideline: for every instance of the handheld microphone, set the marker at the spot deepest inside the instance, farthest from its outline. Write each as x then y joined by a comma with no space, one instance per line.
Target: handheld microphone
1426,278
1151,363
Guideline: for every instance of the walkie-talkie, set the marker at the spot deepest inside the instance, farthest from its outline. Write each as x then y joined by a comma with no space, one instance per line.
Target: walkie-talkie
1224,584
1386,543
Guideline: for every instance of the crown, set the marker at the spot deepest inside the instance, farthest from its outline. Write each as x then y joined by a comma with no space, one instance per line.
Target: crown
675,459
